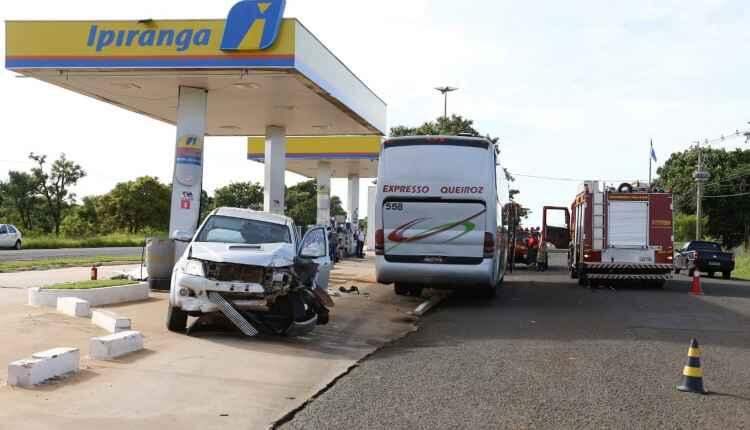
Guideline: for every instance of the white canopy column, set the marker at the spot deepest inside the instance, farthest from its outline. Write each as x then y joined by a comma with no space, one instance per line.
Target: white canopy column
324,193
275,169
187,181
353,205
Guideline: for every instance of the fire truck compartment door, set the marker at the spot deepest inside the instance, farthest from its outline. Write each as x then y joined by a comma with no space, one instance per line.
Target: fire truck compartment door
627,224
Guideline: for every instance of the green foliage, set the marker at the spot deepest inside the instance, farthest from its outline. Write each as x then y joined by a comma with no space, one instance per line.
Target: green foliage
108,240
74,225
54,263
90,285
742,267
53,185
246,195
302,204
135,205
19,197
728,217
443,126
684,227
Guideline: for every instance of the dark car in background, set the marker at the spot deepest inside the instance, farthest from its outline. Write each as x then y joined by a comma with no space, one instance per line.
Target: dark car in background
706,257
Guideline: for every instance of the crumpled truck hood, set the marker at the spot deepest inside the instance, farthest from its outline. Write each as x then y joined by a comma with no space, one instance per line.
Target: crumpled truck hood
265,255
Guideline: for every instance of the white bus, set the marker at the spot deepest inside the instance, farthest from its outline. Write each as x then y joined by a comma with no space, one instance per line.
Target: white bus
439,214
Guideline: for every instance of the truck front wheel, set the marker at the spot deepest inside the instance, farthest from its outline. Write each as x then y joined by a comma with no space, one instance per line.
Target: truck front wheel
176,320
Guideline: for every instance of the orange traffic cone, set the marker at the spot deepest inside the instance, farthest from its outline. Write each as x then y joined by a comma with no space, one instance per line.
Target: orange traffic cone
696,289
692,374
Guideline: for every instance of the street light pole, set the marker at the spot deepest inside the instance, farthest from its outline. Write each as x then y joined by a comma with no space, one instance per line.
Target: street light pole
701,177
445,91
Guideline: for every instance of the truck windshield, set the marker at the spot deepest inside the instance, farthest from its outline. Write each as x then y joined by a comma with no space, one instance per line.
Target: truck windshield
224,229
705,246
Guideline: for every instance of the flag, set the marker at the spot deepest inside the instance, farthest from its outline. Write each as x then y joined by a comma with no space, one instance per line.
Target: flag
653,153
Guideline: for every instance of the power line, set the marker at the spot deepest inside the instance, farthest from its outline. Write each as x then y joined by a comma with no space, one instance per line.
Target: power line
726,196
561,179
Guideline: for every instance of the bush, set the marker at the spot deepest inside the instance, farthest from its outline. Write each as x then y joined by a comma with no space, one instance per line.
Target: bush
684,227
109,240
73,225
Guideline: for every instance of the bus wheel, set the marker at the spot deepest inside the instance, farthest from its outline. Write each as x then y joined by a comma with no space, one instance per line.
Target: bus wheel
488,292
401,289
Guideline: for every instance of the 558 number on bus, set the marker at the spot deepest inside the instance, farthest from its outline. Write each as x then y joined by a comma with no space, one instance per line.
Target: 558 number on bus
394,206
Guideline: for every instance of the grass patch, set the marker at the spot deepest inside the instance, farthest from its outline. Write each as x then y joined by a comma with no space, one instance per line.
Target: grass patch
89,285
742,267
109,240
56,263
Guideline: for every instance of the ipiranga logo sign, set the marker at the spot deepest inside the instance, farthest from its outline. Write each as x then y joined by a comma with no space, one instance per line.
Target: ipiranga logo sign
252,25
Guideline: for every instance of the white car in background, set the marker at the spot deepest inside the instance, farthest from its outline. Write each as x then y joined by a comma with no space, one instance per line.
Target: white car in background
10,237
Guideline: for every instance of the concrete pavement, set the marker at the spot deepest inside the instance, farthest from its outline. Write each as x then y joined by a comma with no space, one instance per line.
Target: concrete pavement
34,254
550,354
209,380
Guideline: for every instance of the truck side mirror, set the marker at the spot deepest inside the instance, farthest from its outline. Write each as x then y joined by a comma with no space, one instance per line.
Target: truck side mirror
181,236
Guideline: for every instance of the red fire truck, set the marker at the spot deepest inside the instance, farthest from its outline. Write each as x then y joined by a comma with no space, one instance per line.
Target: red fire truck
621,234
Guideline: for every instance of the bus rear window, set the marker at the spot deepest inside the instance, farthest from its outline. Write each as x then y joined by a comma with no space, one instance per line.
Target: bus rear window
447,164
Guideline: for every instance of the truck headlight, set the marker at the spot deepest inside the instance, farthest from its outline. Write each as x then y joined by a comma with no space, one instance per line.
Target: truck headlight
194,268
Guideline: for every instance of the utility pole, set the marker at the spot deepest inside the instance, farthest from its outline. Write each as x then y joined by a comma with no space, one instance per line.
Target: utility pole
445,91
701,177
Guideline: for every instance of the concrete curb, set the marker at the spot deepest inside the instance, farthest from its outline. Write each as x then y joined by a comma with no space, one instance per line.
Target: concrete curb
43,366
73,307
110,321
115,345
95,296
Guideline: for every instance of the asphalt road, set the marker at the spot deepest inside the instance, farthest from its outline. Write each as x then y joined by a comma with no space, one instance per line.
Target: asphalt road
34,254
550,354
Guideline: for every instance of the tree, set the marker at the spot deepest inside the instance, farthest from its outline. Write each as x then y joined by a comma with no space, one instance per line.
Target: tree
337,209
54,186
20,193
452,126
136,205
240,195
302,203
726,206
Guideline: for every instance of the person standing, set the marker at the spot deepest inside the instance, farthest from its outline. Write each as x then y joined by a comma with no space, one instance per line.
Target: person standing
360,243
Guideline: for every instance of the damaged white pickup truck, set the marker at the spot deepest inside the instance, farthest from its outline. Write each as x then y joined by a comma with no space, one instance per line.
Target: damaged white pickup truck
253,268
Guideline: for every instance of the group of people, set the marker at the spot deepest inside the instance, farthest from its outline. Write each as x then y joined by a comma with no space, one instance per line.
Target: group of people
333,241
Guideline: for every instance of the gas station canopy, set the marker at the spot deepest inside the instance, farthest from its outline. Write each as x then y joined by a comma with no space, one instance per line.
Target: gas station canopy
295,82
253,74
347,155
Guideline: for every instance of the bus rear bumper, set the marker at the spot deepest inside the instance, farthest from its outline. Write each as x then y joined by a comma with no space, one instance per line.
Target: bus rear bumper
442,276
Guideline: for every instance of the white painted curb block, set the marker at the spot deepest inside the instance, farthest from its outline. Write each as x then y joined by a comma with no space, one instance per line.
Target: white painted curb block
43,366
95,296
110,321
115,345
73,307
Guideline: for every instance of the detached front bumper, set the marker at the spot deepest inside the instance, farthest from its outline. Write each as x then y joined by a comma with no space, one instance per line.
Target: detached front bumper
190,293
627,271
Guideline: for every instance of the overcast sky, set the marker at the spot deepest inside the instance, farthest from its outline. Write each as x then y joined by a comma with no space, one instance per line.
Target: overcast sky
574,89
